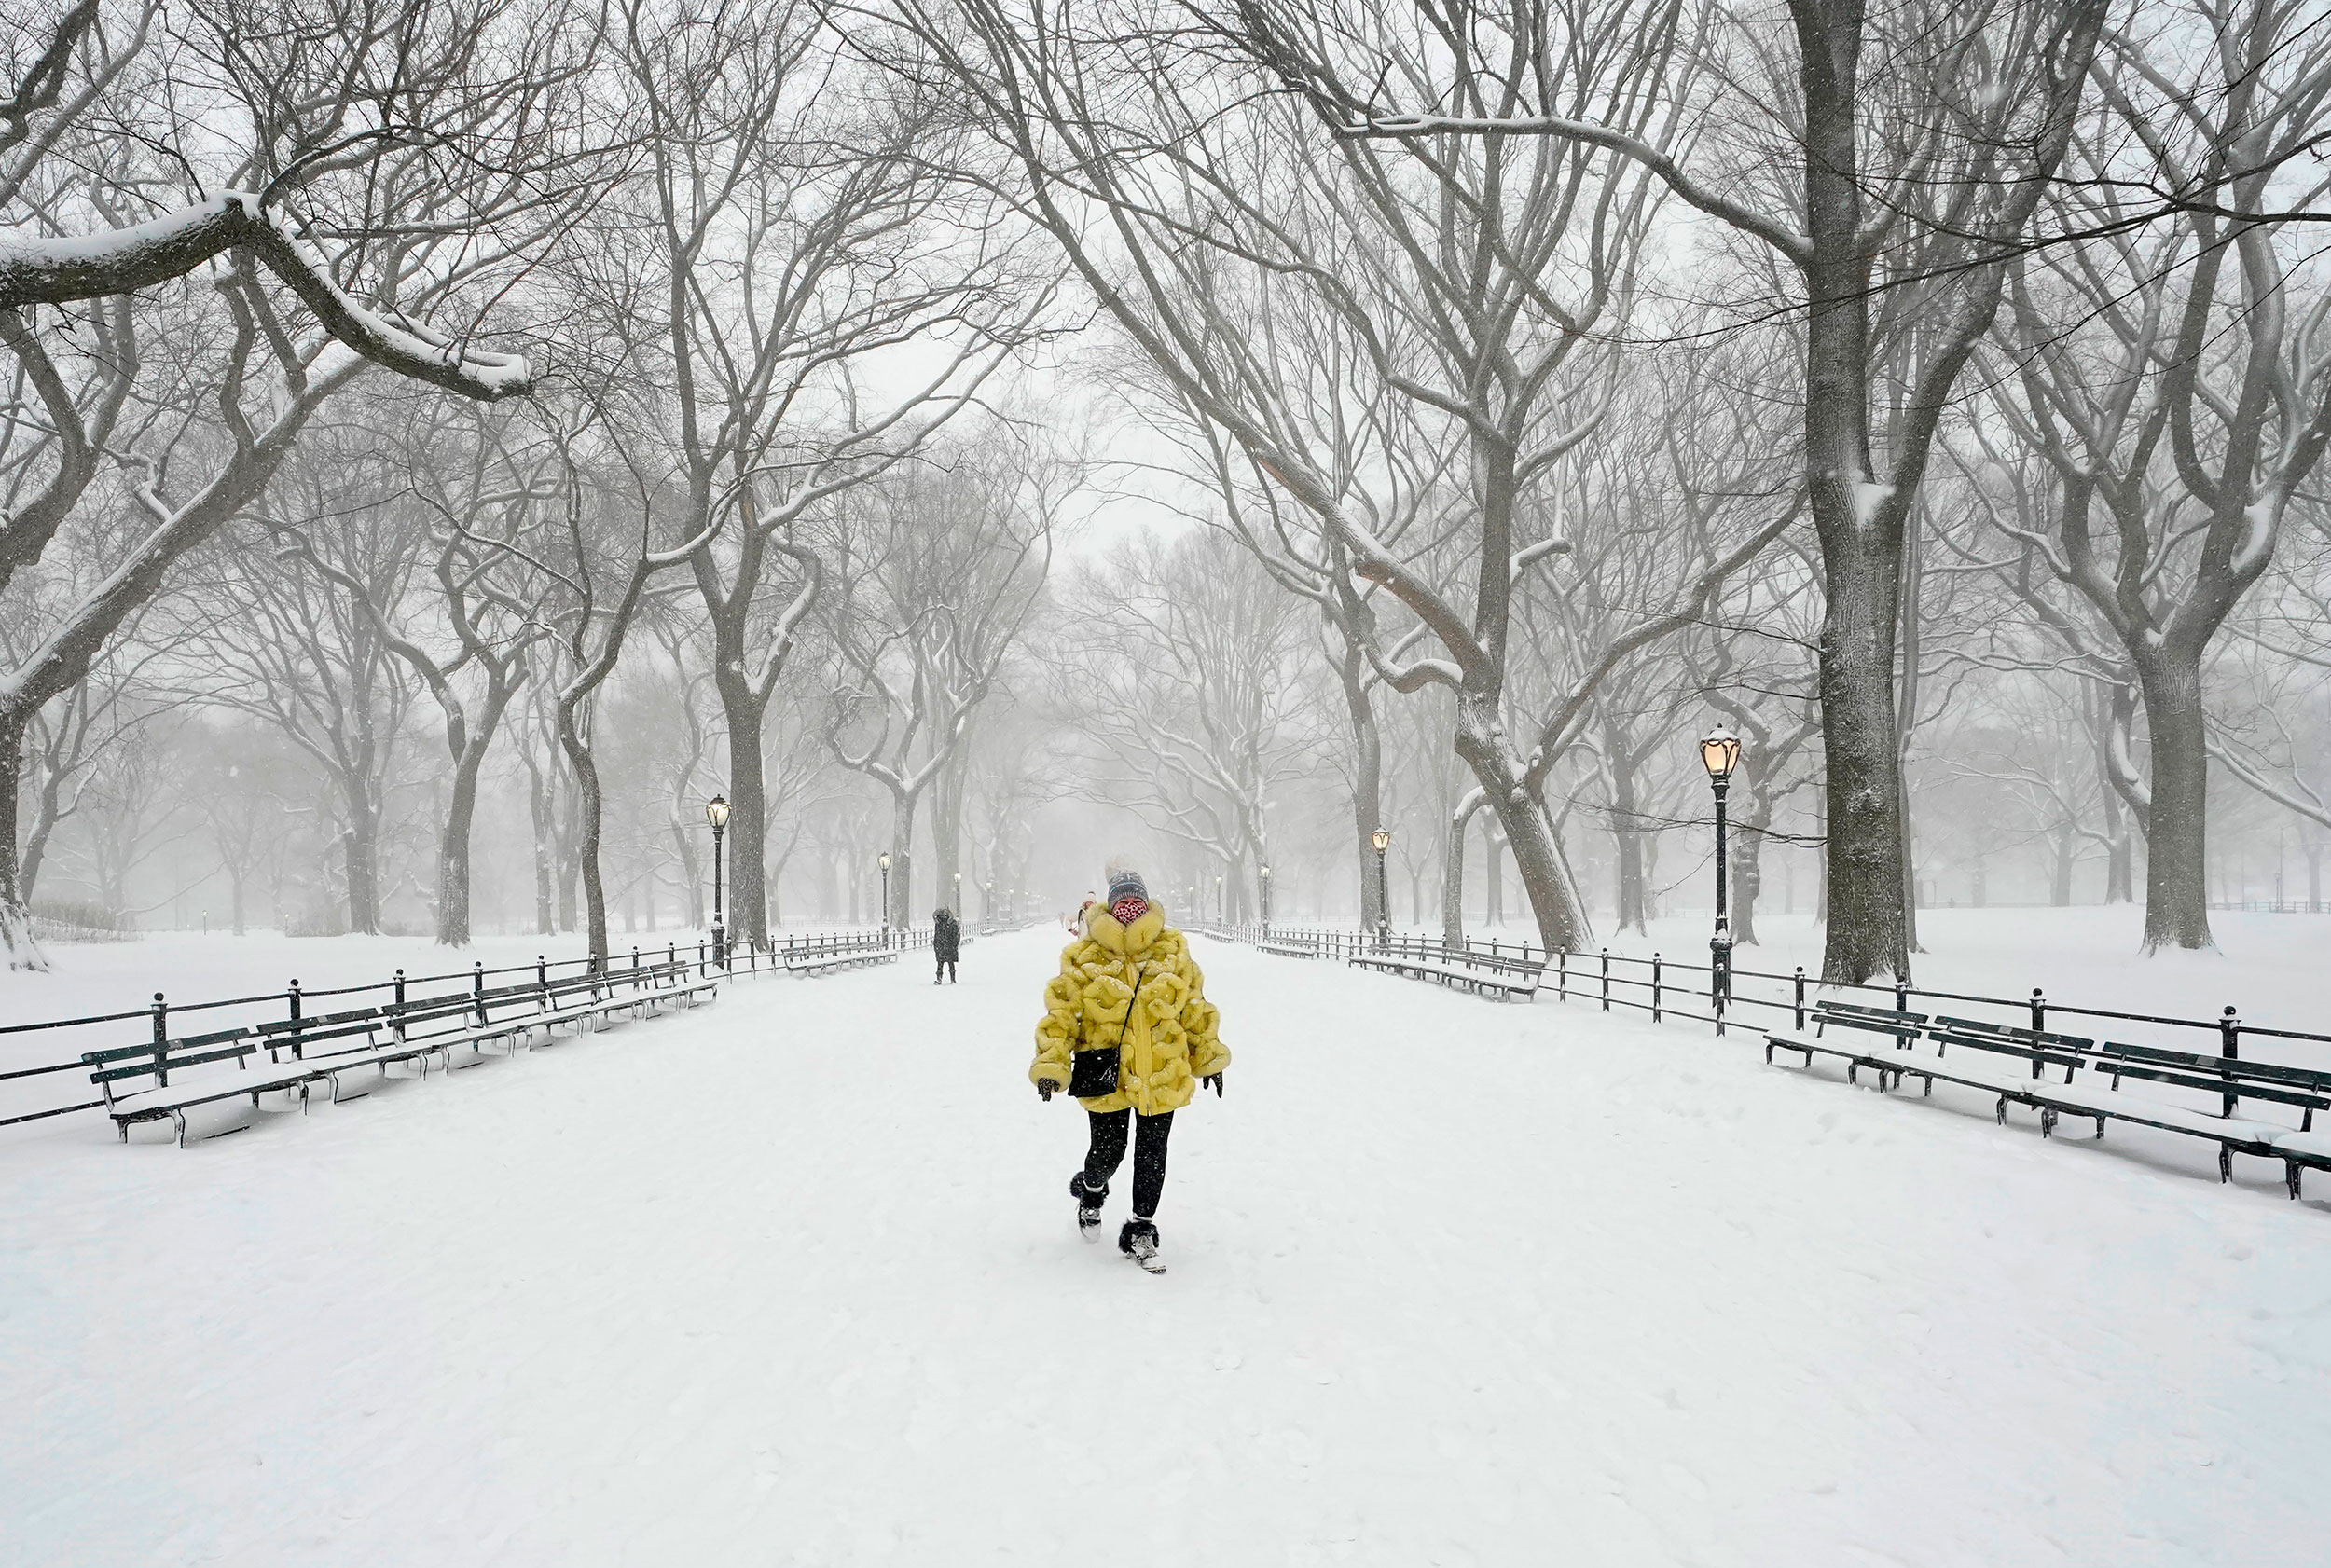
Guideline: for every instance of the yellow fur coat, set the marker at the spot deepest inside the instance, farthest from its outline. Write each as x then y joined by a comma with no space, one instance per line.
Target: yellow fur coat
1170,1042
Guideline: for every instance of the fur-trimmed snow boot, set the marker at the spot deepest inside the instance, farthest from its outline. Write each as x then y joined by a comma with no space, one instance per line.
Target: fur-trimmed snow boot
1138,1242
1089,1201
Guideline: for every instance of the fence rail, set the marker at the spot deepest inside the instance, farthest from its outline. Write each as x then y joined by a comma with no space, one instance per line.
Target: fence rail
165,1018
1701,993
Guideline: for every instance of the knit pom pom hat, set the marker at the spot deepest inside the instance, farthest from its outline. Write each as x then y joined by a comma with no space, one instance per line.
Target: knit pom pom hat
1128,895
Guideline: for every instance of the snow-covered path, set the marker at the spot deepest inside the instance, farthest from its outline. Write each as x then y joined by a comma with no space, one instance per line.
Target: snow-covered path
793,1279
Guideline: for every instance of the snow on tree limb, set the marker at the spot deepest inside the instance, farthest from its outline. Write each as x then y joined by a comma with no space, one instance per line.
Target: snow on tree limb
38,269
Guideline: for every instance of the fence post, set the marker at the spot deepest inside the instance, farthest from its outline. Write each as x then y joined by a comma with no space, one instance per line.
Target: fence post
2229,1028
1801,997
1562,978
2040,1012
400,1007
635,966
478,990
1606,980
161,1040
291,997
1655,986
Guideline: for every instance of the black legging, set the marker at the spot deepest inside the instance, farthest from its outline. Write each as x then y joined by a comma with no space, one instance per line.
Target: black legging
1149,1156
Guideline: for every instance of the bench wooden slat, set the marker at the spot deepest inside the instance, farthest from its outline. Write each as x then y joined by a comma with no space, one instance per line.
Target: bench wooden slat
114,1075
187,1042
2010,1032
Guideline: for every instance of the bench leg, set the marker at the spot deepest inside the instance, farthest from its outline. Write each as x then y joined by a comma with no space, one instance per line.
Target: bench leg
179,1117
2224,1163
2002,1110
2100,1129
2048,1122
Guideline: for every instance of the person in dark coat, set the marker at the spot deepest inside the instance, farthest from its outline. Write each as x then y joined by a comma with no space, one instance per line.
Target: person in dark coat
946,939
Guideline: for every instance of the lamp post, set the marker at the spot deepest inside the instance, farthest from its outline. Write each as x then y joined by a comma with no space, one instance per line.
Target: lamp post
1381,839
957,905
1221,903
1719,753
883,860
1266,904
716,813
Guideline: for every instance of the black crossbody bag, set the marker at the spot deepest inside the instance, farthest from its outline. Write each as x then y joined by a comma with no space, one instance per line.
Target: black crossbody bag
1092,1075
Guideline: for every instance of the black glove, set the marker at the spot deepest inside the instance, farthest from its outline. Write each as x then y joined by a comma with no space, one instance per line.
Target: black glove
1216,1080
1044,1088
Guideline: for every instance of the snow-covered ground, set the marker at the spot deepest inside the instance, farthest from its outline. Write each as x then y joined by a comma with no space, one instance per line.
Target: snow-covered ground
793,1279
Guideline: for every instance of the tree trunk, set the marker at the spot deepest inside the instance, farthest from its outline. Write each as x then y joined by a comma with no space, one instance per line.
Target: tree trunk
2177,887
570,864
1537,856
748,913
1626,841
1452,872
361,846
454,851
1747,857
2064,847
1864,898
586,812
538,810
1860,532
1367,773
16,925
2119,851
902,860
946,833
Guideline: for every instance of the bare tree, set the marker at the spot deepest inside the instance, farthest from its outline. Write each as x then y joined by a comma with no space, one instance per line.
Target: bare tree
798,225
1185,679
1902,149
2168,375
342,111
935,570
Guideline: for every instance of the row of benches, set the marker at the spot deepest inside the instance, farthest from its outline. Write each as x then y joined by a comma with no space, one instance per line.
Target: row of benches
831,963
1503,978
1481,973
416,1033
2040,1051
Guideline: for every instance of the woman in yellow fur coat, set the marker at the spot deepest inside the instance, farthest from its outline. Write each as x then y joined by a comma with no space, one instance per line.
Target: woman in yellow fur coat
1128,1031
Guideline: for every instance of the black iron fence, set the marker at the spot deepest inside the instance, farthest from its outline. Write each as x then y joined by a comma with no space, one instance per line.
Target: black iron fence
45,1088
1665,989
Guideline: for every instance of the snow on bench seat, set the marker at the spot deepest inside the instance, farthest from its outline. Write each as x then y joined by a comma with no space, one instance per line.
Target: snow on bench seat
2101,1102
1510,986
